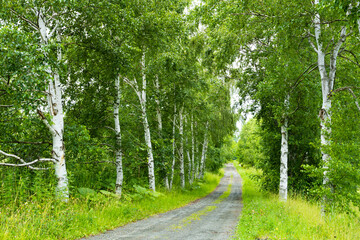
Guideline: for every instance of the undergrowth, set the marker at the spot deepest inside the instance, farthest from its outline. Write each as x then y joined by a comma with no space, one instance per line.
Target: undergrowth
265,217
93,212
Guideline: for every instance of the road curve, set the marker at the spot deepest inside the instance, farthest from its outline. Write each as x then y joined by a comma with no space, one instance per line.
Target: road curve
212,217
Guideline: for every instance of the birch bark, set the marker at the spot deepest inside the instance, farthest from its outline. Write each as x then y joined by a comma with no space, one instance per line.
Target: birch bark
142,99
189,167
159,120
55,101
283,188
118,150
192,149
181,150
204,150
173,149
327,85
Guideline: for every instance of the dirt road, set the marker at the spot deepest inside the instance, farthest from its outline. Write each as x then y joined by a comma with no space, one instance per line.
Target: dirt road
212,217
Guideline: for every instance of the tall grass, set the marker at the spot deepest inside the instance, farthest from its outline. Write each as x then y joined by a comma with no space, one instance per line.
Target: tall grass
88,216
265,217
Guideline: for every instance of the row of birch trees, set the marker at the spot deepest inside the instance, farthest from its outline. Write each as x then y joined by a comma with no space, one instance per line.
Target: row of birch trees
123,89
299,65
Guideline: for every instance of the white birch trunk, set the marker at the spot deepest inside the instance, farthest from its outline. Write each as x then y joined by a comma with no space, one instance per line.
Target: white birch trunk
192,149
147,128
54,98
327,84
142,99
173,150
181,150
198,162
189,167
157,100
283,188
118,150
159,120
203,154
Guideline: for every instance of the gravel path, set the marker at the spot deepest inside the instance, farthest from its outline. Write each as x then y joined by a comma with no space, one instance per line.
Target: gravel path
212,217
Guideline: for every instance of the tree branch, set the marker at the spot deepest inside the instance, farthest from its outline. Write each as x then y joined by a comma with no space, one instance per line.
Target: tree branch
112,129
312,45
25,142
45,121
314,66
99,162
105,144
252,14
357,64
353,54
24,163
351,92
25,19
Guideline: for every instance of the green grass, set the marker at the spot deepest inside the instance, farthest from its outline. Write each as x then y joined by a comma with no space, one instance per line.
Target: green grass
265,217
85,217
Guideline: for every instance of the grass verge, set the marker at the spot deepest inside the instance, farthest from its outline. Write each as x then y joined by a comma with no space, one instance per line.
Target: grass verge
265,217
85,217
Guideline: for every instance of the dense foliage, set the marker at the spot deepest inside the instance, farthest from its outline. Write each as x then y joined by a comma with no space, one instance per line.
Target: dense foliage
298,63
139,104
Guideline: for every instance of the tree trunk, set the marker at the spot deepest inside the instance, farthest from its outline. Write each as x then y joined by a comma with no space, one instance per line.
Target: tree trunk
58,150
192,150
159,120
55,101
283,188
142,99
181,150
327,85
189,167
147,127
173,149
203,154
118,150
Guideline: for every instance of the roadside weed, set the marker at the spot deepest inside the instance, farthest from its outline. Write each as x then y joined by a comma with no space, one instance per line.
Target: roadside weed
265,217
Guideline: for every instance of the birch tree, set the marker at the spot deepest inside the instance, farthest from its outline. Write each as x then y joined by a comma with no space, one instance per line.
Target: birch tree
181,150
327,76
283,188
141,93
118,149
46,23
204,151
173,148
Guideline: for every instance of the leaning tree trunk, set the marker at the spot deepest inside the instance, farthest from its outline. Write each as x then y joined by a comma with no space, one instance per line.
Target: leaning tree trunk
118,150
55,101
142,99
203,154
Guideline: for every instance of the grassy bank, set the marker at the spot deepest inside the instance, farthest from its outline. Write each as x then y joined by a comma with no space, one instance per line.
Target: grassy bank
265,217
93,214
